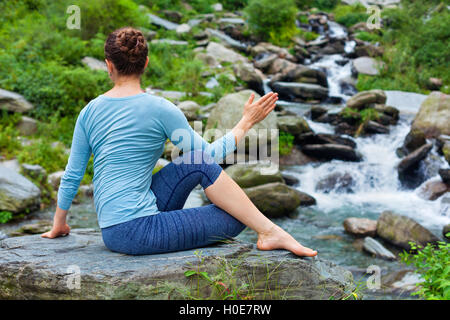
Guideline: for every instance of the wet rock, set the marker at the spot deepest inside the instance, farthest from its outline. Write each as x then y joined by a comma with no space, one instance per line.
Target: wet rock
27,126
251,175
374,247
324,138
281,66
412,160
402,281
364,99
170,42
433,117
337,181
277,199
317,111
34,171
55,179
445,175
367,65
400,230
332,151
432,190
190,109
374,127
109,275
223,54
17,194
368,50
291,91
228,112
360,227
413,140
296,157
265,62
294,125
229,41
94,64
14,102
290,179
301,74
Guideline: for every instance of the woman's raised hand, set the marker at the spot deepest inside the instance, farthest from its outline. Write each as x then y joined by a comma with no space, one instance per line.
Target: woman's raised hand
255,112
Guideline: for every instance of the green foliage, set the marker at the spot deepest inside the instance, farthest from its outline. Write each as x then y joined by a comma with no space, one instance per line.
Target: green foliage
272,20
319,4
417,46
9,142
350,15
433,265
5,216
367,36
42,152
286,143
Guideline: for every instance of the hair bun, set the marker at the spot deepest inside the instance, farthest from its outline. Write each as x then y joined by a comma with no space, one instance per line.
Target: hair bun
126,46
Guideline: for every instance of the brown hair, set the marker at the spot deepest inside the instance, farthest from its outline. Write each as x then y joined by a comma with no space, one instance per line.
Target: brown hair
127,49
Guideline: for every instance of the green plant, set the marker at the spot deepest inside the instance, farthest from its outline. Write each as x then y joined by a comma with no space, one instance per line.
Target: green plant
9,142
286,143
349,15
5,216
433,265
272,20
41,151
367,36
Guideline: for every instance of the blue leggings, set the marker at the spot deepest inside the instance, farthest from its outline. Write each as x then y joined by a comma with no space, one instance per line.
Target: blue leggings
175,228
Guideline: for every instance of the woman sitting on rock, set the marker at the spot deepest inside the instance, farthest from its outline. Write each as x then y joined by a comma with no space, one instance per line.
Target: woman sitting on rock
141,213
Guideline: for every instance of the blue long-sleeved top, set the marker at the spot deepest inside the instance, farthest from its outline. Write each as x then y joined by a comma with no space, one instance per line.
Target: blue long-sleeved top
127,136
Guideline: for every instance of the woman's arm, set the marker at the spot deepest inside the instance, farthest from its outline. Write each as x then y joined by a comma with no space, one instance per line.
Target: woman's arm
179,131
80,153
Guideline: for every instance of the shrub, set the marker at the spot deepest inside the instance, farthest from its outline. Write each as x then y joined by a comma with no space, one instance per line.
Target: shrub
286,143
319,4
433,265
350,15
272,20
5,216
41,152
9,142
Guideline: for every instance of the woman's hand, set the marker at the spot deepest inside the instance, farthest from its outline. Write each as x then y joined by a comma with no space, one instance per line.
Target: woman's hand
57,231
255,112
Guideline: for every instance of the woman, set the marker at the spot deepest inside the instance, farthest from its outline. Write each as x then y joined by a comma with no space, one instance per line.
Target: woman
138,213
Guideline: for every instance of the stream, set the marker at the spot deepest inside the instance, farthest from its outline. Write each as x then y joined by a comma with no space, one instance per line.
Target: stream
376,186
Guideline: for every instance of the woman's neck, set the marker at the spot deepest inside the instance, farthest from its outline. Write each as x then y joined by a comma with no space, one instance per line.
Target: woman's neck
124,87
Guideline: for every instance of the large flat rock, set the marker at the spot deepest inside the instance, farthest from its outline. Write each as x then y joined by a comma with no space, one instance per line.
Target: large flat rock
35,268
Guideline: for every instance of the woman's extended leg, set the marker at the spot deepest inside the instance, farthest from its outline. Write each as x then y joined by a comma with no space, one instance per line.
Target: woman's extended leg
226,194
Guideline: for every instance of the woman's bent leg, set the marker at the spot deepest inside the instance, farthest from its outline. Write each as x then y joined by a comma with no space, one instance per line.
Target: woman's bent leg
172,231
173,183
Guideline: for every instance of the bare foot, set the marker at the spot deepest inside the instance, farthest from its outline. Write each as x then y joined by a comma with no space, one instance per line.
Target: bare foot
277,238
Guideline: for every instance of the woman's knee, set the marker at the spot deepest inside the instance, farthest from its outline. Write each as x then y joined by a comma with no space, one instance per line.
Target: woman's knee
198,161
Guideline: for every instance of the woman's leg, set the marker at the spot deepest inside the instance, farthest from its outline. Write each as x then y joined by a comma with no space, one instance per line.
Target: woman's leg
174,182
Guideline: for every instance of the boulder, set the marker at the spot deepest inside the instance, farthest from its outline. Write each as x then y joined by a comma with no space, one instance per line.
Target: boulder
173,15
228,111
433,117
332,151
432,190
160,22
281,66
446,151
445,175
363,99
372,127
400,230
360,227
170,42
14,102
290,179
247,73
34,171
27,126
411,161
295,125
207,59
33,228
323,138
305,91
301,74
217,6
183,28
190,109
251,175
296,157
94,64
223,54
266,61
55,179
109,275
336,181
277,200
17,194
375,248
413,140
367,65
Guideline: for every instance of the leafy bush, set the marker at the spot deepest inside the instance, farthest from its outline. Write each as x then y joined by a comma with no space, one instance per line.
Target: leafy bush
350,15
41,152
433,265
5,216
272,20
319,4
367,36
286,143
9,142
